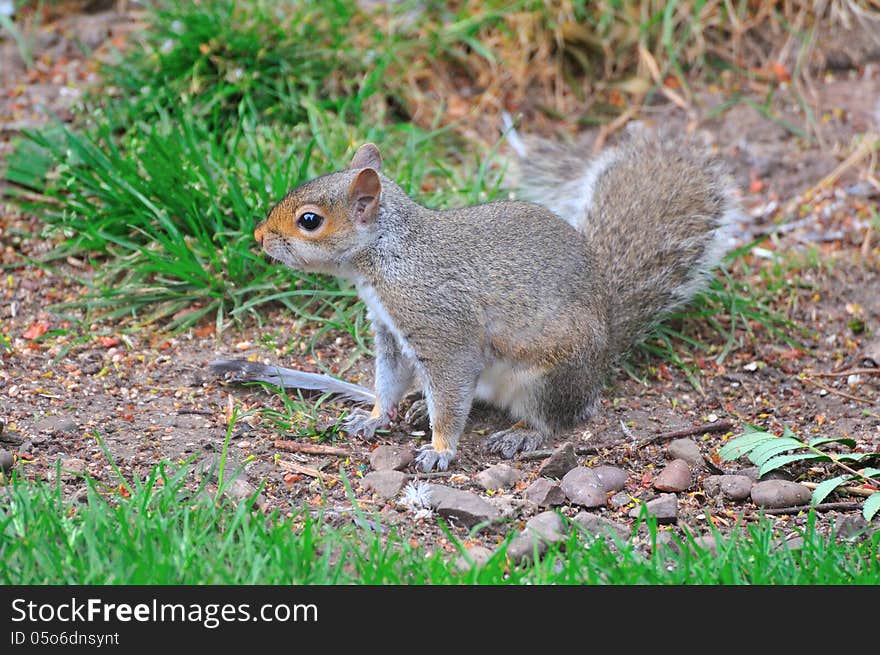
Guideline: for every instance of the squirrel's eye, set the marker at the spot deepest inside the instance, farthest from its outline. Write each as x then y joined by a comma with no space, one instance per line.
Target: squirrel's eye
310,221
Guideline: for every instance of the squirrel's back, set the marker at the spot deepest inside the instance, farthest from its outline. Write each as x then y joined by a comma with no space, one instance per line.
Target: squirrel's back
655,215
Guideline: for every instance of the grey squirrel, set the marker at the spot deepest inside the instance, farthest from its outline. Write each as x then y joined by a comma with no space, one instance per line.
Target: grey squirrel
524,305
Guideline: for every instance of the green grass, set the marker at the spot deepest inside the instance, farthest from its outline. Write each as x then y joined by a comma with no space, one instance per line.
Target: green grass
167,531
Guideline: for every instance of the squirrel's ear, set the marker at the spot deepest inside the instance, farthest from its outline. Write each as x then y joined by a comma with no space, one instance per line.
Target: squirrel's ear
364,195
367,156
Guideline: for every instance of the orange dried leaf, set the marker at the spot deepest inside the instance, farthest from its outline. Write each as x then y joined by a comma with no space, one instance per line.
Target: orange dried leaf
37,329
205,330
780,72
108,342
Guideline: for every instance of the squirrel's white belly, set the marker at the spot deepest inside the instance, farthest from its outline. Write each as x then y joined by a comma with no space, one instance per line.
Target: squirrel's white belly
509,385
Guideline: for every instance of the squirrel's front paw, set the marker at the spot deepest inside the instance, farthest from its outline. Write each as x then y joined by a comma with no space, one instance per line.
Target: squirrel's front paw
429,459
364,424
516,439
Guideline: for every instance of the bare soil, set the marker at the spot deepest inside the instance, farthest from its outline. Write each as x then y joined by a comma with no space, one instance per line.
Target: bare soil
148,396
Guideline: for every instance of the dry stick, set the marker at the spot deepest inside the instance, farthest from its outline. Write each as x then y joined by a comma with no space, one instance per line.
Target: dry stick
310,448
852,371
428,475
299,468
821,507
717,426
541,454
851,491
838,392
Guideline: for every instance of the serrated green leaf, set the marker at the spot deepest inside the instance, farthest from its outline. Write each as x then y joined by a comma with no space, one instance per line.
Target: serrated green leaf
743,444
821,492
764,451
781,460
872,504
819,441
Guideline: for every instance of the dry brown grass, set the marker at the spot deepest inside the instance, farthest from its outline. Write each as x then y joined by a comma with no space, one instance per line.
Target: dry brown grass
565,64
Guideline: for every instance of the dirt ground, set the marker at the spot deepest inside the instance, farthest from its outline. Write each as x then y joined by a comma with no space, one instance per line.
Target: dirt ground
148,396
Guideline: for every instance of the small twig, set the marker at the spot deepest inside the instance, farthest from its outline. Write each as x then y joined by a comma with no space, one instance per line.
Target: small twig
851,491
821,507
310,448
200,412
838,392
852,371
299,468
543,454
717,426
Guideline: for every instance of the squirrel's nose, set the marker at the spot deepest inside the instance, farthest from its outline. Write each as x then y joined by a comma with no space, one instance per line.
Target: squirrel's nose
259,233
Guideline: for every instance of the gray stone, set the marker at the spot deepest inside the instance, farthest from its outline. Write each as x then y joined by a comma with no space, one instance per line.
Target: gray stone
525,547
850,527
675,477
71,468
500,476
795,542
544,493
664,508
466,508
600,526
706,542
583,487
780,493
57,425
241,490
475,556
391,458
386,483
611,477
685,449
540,532
440,493
509,506
619,500
547,525
6,461
734,487
560,462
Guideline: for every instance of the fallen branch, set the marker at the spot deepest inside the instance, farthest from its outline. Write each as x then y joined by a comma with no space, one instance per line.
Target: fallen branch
310,448
852,371
293,467
838,392
717,426
543,454
850,491
821,507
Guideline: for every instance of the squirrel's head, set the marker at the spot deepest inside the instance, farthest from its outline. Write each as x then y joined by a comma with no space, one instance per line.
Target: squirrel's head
319,225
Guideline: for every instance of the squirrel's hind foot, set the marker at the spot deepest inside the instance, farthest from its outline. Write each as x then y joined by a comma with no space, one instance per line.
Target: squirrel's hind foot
519,438
429,459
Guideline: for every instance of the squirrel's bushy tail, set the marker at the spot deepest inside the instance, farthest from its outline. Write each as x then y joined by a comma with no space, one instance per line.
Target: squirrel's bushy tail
655,213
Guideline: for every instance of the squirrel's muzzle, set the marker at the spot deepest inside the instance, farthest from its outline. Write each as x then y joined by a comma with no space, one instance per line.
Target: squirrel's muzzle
260,232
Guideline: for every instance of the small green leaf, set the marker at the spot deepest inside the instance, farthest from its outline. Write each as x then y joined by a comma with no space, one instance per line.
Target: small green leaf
819,441
821,492
872,504
762,452
743,444
869,471
781,460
